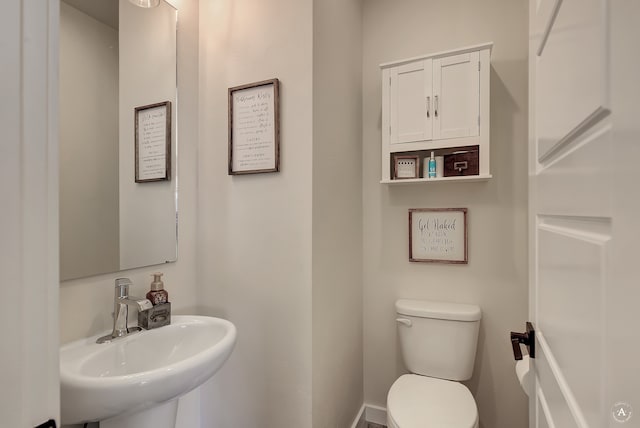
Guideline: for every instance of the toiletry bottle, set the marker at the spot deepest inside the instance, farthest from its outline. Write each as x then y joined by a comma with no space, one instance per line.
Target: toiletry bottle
439,166
425,167
157,294
432,166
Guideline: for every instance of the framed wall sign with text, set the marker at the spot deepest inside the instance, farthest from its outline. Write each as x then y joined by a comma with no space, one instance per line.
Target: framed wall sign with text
438,235
153,142
254,128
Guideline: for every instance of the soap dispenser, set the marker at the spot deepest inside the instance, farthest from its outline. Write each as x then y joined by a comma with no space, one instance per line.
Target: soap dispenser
157,295
160,313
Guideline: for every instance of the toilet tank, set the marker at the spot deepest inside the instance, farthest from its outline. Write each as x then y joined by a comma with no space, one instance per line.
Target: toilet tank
438,339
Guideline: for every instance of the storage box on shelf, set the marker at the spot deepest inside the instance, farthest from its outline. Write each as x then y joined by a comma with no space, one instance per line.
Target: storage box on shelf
440,103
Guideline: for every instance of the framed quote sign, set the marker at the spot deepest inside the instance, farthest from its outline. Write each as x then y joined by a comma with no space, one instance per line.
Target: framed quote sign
438,235
254,128
153,142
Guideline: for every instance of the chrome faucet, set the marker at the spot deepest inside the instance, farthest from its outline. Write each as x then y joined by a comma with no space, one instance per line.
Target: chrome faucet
121,304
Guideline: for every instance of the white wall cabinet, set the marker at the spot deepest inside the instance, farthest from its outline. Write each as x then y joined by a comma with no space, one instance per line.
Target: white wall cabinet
437,102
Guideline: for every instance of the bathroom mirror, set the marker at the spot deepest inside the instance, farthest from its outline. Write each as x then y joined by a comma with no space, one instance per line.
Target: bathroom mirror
114,57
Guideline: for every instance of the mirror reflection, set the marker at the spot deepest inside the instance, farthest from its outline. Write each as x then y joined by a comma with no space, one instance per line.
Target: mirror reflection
114,57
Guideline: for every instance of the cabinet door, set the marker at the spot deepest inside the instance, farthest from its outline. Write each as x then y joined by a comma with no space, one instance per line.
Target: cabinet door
456,96
411,102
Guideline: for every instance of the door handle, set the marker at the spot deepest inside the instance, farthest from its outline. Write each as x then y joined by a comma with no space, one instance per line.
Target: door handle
528,338
428,106
435,107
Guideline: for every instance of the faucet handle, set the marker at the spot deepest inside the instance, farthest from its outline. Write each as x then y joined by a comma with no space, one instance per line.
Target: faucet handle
122,287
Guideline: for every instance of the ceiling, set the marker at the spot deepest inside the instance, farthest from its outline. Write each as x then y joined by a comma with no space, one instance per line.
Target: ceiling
105,11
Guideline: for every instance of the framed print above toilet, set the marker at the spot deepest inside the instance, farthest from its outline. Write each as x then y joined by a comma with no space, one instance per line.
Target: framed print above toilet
438,235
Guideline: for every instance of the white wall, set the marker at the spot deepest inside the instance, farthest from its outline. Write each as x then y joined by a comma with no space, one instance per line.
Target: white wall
89,206
254,232
496,276
337,212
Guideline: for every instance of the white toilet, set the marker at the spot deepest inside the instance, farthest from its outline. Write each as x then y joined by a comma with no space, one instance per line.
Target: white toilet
438,342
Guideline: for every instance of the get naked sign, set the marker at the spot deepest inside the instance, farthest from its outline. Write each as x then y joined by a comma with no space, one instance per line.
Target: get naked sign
438,235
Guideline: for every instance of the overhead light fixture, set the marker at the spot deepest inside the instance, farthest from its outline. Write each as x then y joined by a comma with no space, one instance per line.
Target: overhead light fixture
145,3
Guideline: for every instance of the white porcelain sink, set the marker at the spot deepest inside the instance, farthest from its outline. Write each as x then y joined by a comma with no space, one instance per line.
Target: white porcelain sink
130,377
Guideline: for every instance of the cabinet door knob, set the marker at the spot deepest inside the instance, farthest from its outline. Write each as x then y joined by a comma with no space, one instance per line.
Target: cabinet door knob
435,110
428,106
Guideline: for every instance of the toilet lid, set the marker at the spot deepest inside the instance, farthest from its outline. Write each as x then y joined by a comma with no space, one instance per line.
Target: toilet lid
421,401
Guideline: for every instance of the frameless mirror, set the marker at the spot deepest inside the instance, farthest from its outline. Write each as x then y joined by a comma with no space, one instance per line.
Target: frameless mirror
114,57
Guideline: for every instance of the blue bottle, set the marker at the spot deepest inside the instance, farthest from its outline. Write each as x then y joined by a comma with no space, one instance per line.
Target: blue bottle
432,166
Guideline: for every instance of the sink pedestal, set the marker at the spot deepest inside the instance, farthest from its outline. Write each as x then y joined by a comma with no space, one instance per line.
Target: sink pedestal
161,416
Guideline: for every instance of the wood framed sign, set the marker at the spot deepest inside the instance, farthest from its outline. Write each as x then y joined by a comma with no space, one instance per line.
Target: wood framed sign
438,235
153,142
406,166
254,128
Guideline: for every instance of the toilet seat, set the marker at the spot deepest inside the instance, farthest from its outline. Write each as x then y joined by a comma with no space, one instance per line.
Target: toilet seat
424,402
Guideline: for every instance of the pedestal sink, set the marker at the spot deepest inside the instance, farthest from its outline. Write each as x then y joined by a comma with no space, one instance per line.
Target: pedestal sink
135,381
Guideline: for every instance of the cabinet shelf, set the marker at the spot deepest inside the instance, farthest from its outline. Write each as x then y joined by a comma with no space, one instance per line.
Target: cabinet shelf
468,178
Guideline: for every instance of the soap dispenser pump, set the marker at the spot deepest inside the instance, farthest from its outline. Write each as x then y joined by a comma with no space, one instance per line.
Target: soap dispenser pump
157,295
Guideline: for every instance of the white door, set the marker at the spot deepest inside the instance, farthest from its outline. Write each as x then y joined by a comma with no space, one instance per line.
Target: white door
584,198
29,386
411,102
456,96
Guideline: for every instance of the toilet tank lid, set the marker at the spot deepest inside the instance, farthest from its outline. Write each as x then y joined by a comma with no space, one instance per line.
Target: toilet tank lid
438,310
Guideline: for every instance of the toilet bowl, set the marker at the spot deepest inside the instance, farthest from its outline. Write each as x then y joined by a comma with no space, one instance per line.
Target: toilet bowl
416,401
438,343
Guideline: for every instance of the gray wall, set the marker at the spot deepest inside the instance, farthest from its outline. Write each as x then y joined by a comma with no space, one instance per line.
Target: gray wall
337,212
254,246
280,254
88,145
496,276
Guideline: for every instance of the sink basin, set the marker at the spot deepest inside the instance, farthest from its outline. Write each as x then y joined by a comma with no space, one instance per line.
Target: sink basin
141,371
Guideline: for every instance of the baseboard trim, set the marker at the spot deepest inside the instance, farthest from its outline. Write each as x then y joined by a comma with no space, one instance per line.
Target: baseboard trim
375,414
370,413
359,421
